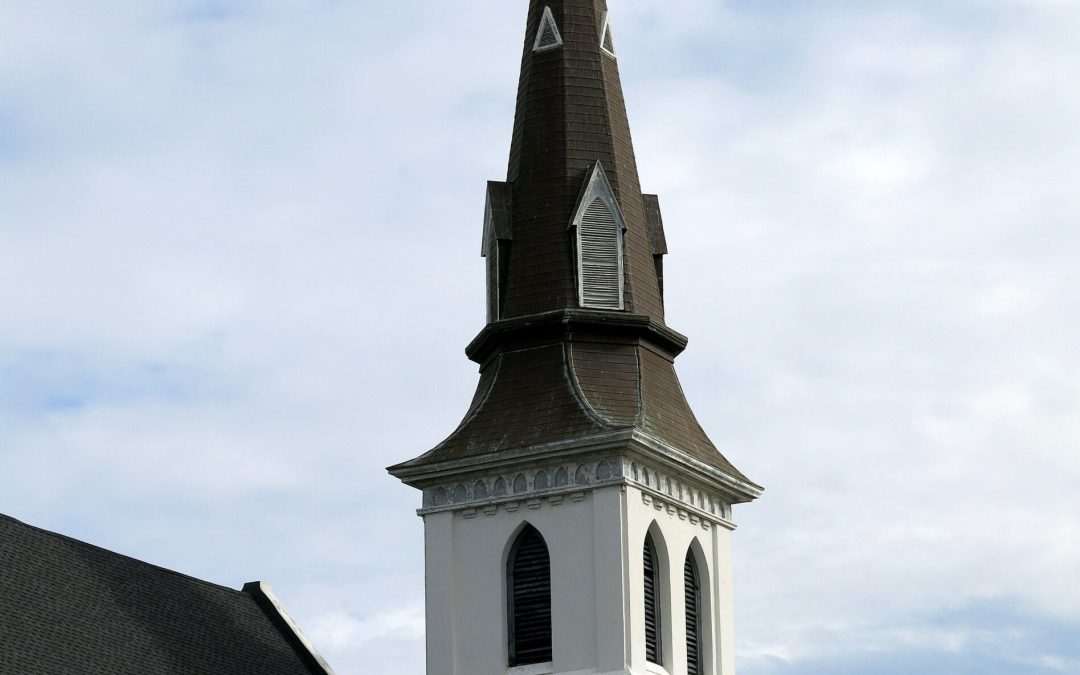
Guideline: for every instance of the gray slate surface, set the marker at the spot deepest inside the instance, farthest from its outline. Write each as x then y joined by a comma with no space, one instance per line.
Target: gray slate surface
67,607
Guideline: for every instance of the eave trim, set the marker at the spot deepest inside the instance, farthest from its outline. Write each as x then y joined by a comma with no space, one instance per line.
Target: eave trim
264,597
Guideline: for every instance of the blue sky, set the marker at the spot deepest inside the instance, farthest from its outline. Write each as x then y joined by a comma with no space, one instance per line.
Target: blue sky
238,268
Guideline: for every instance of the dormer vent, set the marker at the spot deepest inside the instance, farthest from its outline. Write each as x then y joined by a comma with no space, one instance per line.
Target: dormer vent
607,41
496,245
599,224
547,37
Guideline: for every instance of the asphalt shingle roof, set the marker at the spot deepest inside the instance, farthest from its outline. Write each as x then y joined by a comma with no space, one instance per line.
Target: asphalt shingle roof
68,607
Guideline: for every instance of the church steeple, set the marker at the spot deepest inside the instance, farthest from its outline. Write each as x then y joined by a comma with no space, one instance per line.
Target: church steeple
570,116
579,514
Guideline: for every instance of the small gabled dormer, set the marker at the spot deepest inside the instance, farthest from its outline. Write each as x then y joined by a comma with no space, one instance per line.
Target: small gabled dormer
598,237
654,225
496,245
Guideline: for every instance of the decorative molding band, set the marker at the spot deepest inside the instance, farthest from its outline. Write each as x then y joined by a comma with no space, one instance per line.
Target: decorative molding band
668,488
523,484
529,487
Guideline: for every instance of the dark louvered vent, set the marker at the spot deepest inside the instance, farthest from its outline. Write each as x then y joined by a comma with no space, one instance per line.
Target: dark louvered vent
601,274
652,605
693,616
547,37
529,572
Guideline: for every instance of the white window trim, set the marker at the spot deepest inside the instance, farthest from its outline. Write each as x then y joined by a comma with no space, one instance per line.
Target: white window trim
603,37
548,19
598,187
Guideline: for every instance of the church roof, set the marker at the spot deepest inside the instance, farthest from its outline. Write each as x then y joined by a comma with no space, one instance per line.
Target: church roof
69,607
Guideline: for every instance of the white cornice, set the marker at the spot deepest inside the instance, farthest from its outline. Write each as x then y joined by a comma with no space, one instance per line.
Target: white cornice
631,442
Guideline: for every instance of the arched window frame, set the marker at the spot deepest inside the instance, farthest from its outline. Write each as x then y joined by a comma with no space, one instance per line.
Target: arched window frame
705,623
596,188
527,534
656,645
692,615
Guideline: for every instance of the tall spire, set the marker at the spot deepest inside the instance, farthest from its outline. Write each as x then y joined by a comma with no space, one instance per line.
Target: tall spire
570,115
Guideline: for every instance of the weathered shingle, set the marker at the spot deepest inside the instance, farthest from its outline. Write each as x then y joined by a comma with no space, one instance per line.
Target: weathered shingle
570,113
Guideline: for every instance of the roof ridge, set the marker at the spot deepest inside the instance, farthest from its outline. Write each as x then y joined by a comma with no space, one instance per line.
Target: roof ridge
86,544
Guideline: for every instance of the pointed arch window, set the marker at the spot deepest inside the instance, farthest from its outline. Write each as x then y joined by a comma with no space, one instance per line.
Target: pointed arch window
653,645
692,592
600,226
547,36
528,572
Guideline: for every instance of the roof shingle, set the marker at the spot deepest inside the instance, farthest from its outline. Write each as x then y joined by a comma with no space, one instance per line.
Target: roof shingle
70,607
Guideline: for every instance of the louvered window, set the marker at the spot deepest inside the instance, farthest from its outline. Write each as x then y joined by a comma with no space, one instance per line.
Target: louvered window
529,596
692,590
599,238
653,650
547,36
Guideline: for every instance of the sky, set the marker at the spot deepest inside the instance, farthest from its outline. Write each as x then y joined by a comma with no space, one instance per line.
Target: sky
239,264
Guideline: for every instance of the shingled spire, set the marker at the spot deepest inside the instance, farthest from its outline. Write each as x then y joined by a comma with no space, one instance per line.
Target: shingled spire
570,116
563,513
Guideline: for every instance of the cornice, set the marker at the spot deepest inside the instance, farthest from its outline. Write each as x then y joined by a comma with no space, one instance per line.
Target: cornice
419,475
632,443
550,483
565,324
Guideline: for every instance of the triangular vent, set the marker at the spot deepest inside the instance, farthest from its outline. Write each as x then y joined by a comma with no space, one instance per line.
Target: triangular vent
607,42
547,37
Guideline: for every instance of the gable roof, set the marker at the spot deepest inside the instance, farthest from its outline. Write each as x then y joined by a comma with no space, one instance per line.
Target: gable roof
70,607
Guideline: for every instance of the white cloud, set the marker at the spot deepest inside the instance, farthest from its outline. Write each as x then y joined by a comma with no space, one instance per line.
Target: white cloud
238,255
340,631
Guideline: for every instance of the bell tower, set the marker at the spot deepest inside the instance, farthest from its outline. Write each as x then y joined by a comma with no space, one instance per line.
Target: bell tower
578,520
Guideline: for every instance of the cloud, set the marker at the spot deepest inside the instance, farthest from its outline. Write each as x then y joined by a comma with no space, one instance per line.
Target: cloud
342,630
238,266
984,637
